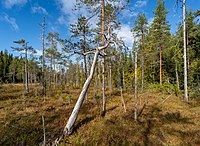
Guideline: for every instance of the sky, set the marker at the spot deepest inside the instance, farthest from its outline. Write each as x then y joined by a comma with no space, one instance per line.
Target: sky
21,19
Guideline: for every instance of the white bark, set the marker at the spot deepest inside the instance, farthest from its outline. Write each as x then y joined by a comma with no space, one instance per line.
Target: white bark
72,119
69,127
185,54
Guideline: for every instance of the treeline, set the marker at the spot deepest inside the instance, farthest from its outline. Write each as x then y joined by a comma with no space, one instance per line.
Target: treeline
12,68
160,55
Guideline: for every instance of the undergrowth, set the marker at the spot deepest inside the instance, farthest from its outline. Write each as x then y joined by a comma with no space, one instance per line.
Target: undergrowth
164,119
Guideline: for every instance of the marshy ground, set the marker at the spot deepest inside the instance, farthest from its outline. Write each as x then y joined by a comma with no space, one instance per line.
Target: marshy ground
163,119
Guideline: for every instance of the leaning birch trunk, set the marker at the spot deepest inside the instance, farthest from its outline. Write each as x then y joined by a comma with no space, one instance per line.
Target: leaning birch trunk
72,119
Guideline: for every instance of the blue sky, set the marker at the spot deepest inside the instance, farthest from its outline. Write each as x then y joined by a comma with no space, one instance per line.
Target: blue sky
22,18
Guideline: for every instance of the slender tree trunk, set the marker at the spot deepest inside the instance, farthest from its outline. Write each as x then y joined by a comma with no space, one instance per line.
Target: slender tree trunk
13,78
43,58
26,69
177,78
72,119
35,79
136,88
142,61
110,75
97,75
54,62
85,67
23,74
50,75
122,98
123,78
185,54
160,65
103,59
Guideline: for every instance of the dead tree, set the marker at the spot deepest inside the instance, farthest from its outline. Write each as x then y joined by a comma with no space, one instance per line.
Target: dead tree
43,57
185,53
72,119
99,50
25,49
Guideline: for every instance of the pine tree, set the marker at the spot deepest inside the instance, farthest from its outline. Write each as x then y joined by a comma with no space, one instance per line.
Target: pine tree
140,28
160,32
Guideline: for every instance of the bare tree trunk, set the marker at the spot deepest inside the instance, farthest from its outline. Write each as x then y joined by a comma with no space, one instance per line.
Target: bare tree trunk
23,74
72,119
103,59
85,68
54,76
177,78
136,88
122,98
62,78
44,133
50,75
43,58
123,78
35,79
185,54
26,69
110,75
142,61
160,65
77,74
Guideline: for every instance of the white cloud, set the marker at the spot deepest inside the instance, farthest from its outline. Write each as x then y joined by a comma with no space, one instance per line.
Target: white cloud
128,14
141,3
62,20
11,21
39,9
10,3
126,35
66,7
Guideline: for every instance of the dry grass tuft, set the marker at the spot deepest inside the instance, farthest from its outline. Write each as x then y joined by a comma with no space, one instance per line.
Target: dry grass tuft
172,122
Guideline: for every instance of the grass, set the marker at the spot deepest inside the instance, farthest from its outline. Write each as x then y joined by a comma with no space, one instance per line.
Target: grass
172,122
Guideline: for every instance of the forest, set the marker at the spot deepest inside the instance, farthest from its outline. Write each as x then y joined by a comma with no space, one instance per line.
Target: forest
98,91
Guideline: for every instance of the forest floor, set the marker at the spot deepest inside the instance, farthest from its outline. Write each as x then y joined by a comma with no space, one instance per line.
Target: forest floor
163,119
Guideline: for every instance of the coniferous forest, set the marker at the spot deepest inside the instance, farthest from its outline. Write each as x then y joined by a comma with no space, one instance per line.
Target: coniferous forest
91,88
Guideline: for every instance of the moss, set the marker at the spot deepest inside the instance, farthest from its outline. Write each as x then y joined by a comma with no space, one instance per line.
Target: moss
173,122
